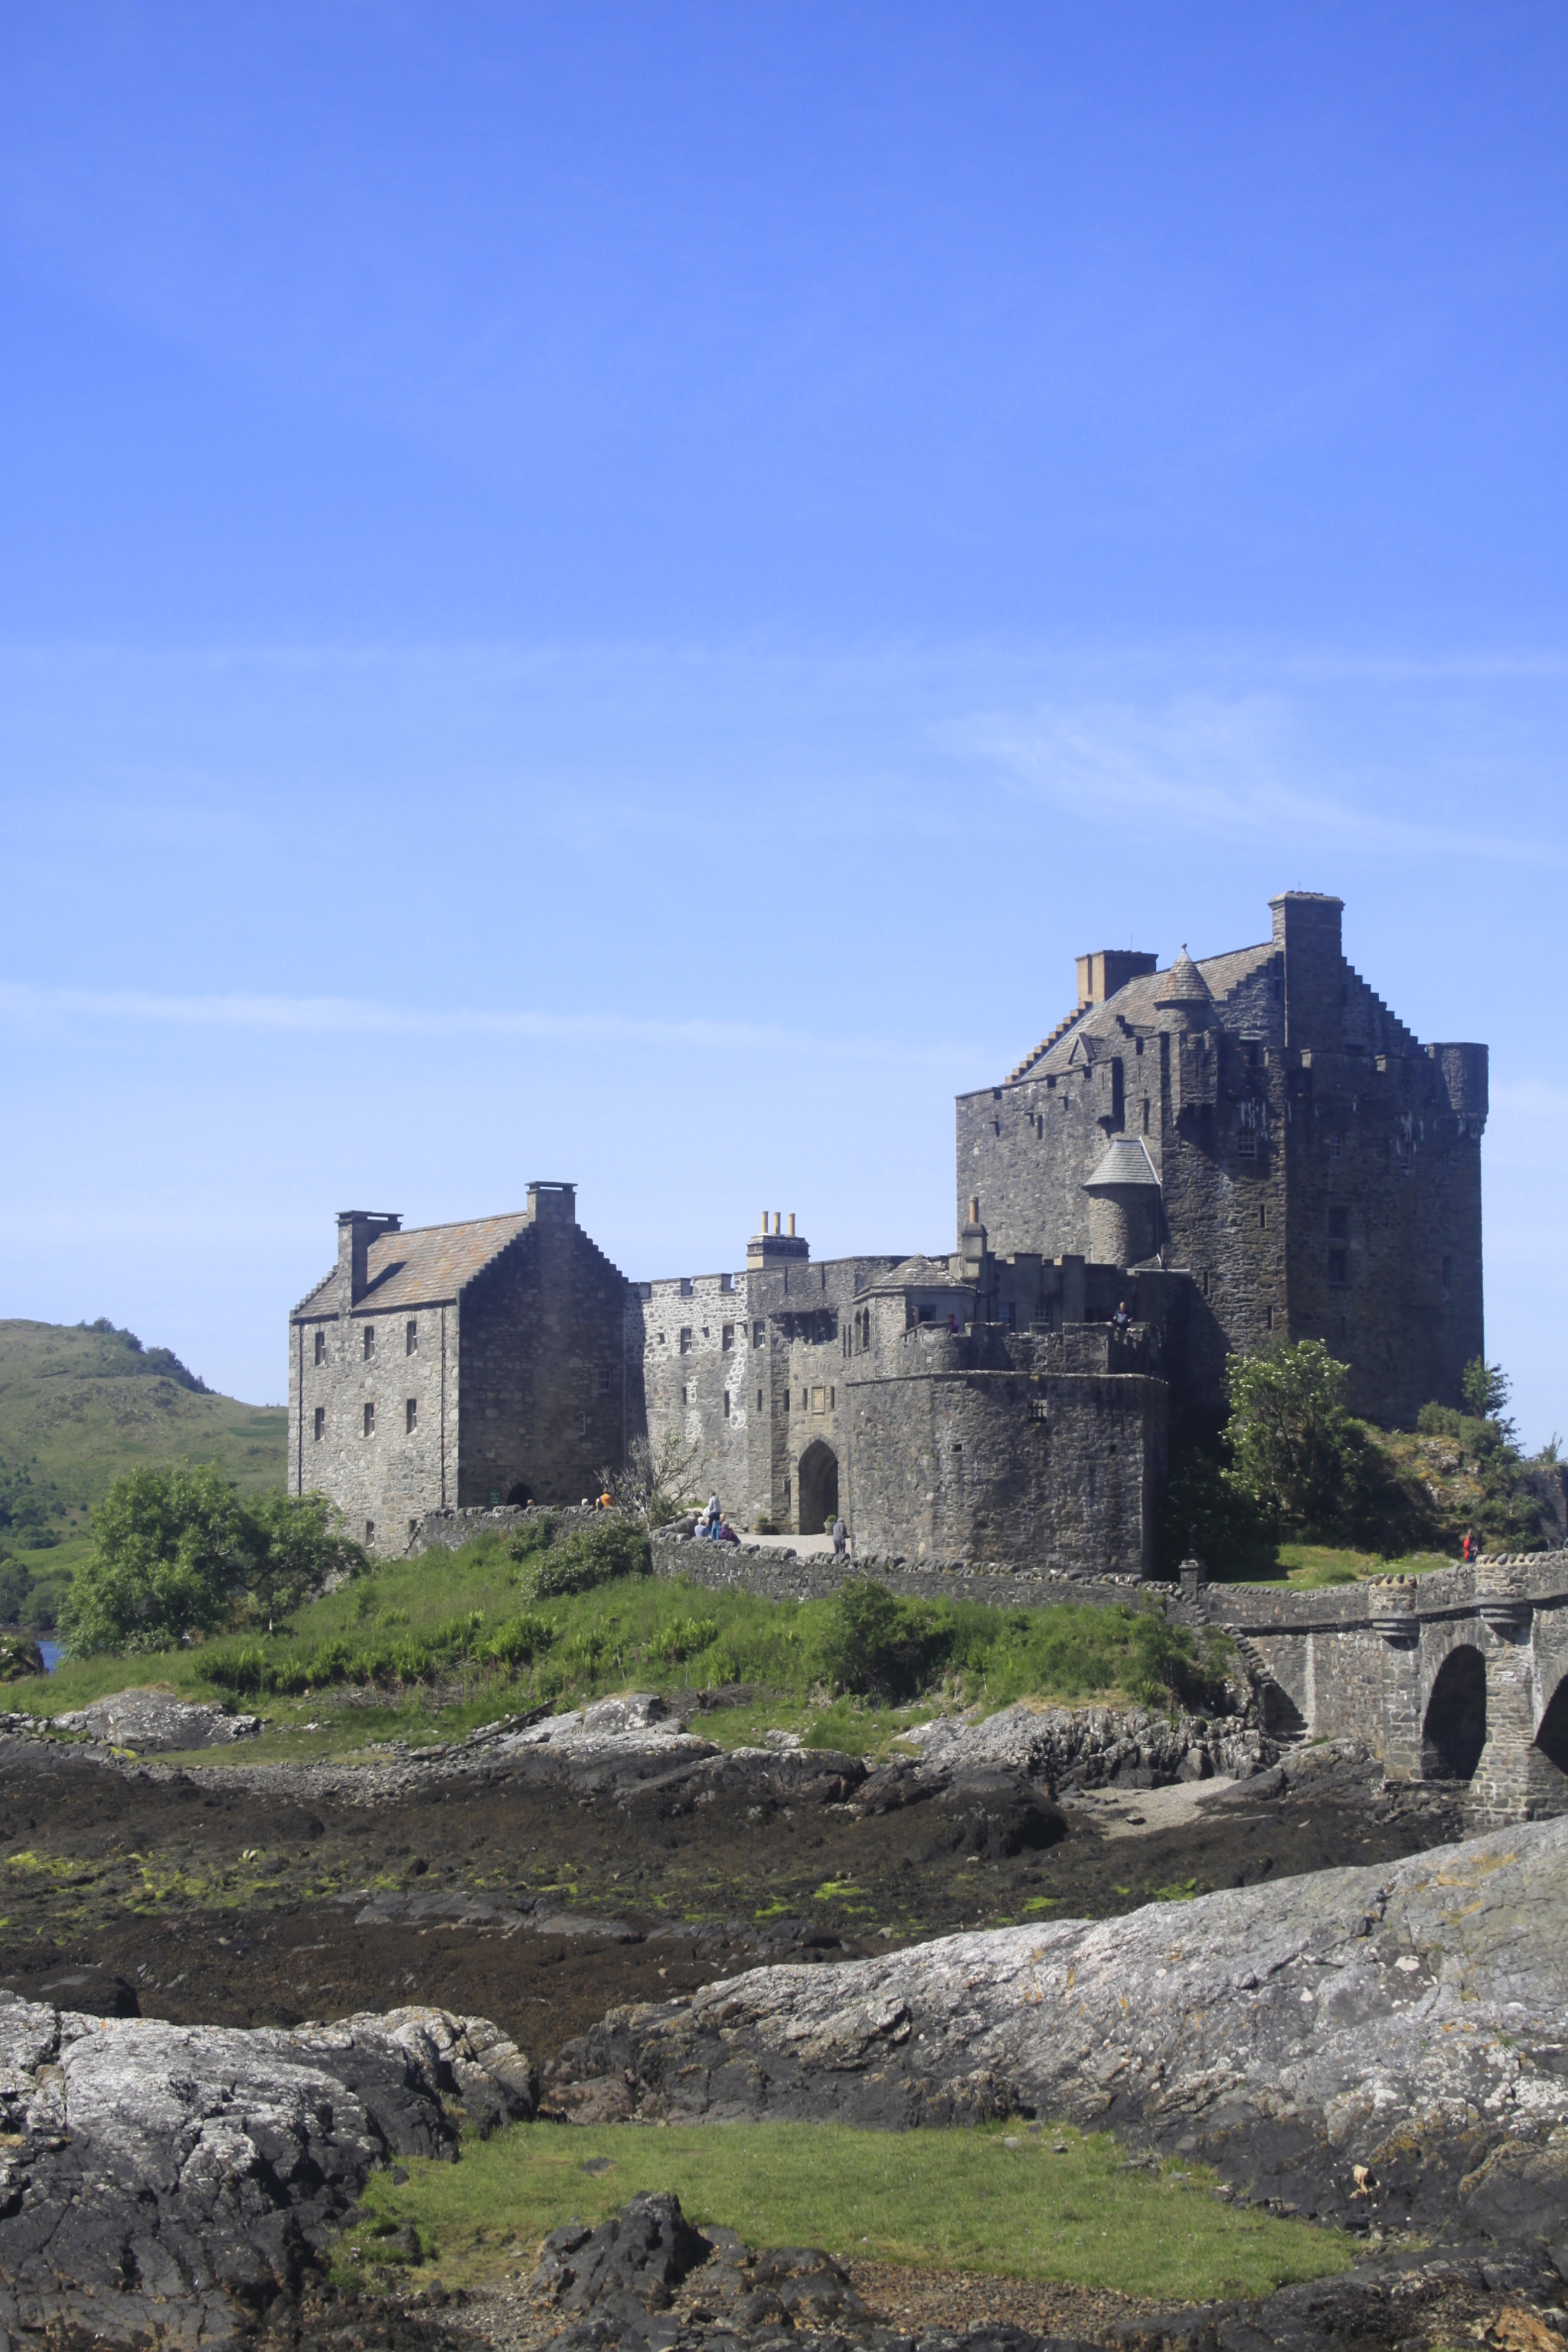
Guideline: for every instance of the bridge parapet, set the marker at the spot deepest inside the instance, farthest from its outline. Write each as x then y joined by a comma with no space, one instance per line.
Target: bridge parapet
1460,1674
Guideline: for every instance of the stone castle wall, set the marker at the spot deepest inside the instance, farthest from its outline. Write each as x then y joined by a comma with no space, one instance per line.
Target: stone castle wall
385,1475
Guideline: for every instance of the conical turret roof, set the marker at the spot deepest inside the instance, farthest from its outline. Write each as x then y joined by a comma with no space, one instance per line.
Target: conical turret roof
1126,1161
1184,983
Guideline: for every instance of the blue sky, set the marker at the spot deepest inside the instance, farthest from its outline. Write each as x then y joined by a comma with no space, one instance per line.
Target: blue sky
615,593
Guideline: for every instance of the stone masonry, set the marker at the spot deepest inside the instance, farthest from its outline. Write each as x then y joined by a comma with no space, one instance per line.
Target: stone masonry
1226,1154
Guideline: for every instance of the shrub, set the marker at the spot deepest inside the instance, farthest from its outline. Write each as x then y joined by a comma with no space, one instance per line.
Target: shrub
520,1640
607,1547
881,1645
535,1534
683,1637
177,1551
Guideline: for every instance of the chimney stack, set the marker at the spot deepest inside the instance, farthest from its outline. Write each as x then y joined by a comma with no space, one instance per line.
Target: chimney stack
357,1228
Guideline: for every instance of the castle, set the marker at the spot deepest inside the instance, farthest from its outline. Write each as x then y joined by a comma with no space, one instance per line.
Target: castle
1235,1151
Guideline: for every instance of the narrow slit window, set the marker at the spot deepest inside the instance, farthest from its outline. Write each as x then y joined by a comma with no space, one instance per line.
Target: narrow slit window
320,1347
370,1531
411,1416
607,1381
369,1341
320,1422
370,1421
758,1399
411,1338
726,1404
727,1338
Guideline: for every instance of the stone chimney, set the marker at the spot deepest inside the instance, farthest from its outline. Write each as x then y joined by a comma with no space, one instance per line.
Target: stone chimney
357,1228
1105,972
1306,926
552,1205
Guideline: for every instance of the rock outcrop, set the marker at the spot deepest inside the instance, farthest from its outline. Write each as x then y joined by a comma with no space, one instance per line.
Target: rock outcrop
164,2178
150,1723
1351,2043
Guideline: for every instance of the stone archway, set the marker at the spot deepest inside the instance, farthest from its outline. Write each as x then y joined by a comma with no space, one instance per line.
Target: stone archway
521,1493
818,1487
1454,1730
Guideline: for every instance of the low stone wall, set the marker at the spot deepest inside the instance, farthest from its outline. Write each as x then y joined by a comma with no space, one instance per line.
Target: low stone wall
781,1575
448,1530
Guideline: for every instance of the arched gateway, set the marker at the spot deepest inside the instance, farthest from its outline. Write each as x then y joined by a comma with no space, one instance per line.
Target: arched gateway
819,1487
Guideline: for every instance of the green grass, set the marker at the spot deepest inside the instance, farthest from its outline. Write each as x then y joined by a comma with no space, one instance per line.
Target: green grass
936,2200
765,1655
1308,1566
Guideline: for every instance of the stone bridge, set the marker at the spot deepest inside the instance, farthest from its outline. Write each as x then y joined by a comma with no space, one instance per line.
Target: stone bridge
1460,1674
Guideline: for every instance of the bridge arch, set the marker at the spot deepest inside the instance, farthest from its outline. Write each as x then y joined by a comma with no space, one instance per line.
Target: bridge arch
818,1487
1454,1728
1552,1732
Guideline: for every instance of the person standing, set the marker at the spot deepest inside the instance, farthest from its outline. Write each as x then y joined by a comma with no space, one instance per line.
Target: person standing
840,1536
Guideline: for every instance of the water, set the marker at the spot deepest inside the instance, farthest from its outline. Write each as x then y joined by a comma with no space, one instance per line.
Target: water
53,1653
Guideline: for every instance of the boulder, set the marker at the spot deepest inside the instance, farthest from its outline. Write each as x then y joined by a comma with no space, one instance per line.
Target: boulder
152,1723
159,2178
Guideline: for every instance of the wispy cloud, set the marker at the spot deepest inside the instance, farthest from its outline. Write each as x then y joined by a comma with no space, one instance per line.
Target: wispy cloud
1209,764
343,1016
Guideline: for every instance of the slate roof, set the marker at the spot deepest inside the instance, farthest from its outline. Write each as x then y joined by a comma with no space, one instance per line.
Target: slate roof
1126,1161
917,1274
425,1267
1138,1004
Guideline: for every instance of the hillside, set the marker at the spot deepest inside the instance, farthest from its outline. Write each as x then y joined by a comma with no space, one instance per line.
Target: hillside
80,1403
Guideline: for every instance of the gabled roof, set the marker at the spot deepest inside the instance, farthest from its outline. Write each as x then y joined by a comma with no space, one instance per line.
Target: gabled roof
1136,1006
426,1267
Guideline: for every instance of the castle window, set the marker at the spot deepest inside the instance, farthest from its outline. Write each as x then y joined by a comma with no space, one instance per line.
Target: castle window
411,1416
411,1338
726,1404
727,1338
1338,1262
1247,1143
1339,1225
686,1285
833,1399
370,1531
758,1399
683,1396
686,1339
787,1400
759,1334
320,1347
1145,1114
320,1422
726,1282
1336,1143
369,1342
370,1421
607,1381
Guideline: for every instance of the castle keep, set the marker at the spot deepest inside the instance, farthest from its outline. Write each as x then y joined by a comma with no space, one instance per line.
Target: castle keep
1242,1150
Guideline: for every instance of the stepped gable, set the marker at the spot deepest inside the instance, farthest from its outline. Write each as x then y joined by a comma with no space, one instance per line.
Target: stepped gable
425,1267
1136,1006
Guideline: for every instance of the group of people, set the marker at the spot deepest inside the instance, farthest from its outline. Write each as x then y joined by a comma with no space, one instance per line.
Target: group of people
712,1525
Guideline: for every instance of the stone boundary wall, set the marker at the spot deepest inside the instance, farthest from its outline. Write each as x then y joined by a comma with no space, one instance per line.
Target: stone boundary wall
1457,1590
784,1575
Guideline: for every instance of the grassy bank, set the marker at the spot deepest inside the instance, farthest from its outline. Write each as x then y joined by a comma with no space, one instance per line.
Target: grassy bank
939,2199
431,1648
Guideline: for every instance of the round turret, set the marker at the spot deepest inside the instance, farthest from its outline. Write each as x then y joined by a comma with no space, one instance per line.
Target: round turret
1123,1206
1182,999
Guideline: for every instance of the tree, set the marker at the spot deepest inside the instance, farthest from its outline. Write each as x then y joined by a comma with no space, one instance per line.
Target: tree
1486,1389
177,1551
656,1484
1293,1447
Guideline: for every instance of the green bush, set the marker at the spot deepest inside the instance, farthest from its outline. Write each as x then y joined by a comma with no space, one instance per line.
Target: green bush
881,1645
607,1547
684,1637
177,1551
520,1640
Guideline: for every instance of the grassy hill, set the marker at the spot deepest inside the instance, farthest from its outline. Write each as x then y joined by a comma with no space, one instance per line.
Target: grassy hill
80,1403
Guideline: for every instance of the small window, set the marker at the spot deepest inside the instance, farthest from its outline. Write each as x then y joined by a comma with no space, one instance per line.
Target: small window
411,1338
686,1339
320,1422
1339,1225
686,1285
759,1334
607,1381
1336,1144
1337,1273
320,1346
370,1421
833,1399
683,1394
411,1416
787,1494
787,1400
1145,1099
1247,1143
726,1404
370,1531
1263,1216
413,1529
805,1400
369,1342
758,1399
726,1336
